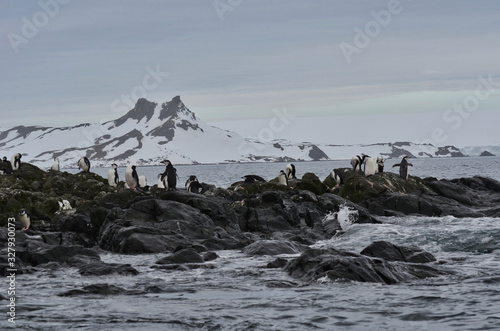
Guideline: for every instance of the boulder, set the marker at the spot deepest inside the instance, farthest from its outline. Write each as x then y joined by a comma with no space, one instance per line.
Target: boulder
335,265
274,247
188,255
390,252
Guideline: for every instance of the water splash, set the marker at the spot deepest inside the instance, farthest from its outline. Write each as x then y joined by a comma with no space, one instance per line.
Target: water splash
345,217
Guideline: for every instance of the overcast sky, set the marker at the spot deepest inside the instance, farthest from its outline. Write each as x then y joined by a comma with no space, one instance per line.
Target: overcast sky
367,71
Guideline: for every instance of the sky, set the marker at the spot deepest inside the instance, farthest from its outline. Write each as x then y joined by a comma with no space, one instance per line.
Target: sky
342,72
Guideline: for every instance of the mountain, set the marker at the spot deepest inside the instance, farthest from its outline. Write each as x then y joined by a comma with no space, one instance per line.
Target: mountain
481,150
150,133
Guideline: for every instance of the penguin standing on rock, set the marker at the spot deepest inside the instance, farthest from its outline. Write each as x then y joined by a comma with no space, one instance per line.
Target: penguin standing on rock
113,178
403,167
283,178
193,185
380,163
290,171
337,177
15,161
357,161
55,165
24,218
84,164
170,174
131,178
371,166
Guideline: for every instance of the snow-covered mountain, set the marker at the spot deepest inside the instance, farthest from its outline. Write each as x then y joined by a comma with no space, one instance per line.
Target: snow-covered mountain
481,150
150,133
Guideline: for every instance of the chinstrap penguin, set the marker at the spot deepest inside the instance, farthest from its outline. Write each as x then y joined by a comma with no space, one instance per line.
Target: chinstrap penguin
380,164
131,177
371,166
290,171
283,178
357,161
113,178
15,161
193,185
55,165
84,164
24,218
337,177
170,174
403,167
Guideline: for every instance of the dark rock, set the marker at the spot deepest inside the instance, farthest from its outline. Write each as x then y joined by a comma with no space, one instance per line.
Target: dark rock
95,289
391,252
274,247
278,263
210,256
335,265
188,255
311,182
100,269
39,253
75,223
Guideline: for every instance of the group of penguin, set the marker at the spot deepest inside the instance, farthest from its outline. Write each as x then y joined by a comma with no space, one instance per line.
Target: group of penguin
373,166
166,180
15,164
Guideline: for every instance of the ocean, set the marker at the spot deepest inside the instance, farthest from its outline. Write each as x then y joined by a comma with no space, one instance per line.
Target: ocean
234,292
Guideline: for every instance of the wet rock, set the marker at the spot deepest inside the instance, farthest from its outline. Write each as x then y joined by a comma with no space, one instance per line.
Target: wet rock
101,268
274,247
95,289
188,255
390,252
210,256
38,253
315,264
311,182
278,263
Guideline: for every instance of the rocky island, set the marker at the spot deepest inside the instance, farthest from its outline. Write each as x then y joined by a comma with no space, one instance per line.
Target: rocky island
75,217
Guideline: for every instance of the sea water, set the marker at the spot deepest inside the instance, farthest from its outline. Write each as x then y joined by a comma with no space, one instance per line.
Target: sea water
234,292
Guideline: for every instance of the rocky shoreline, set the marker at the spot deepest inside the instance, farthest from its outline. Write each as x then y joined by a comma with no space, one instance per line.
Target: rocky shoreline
75,217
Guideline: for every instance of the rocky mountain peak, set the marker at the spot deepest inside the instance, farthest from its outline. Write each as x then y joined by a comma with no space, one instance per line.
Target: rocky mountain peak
142,109
174,108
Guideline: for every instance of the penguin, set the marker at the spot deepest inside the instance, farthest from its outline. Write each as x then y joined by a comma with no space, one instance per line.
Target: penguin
161,181
84,164
193,185
15,161
371,166
337,177
290,171
131,178
252,179
55,165
170,174
357,161
403,167
24,218
113,178
283,178
380,164
143,182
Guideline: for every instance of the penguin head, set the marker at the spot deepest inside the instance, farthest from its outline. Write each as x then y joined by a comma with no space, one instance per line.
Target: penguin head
114,166
23,212
166,162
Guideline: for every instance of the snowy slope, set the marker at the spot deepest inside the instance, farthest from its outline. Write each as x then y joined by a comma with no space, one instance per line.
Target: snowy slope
152,132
